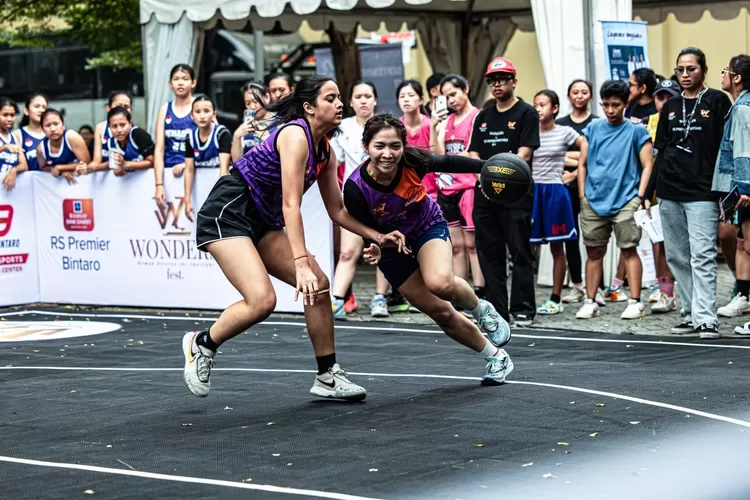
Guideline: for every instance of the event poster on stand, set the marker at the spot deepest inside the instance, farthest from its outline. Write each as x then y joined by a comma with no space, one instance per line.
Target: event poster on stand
19,278
106,241
625,48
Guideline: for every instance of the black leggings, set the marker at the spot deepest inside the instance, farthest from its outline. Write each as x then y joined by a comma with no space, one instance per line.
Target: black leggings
572,247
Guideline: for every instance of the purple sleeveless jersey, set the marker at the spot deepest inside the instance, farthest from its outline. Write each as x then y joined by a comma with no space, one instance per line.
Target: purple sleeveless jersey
261,168
407,208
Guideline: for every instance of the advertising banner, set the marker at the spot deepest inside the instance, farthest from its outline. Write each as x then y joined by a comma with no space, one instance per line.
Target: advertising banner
19,279
625,48
106,241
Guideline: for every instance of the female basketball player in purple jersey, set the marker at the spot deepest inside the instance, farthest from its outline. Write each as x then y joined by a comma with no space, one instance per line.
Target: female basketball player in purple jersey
30,135
386,194
173,124
242,225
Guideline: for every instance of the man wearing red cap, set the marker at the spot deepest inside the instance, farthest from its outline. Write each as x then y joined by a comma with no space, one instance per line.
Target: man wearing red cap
510,126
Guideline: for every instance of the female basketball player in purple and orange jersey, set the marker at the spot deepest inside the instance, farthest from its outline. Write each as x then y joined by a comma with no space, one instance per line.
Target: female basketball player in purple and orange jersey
29,136
456,191
102,133
173,125
386,194
251,224
12,158
62,151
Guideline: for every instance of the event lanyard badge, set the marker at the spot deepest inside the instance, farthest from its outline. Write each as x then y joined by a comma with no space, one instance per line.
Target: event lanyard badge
688,121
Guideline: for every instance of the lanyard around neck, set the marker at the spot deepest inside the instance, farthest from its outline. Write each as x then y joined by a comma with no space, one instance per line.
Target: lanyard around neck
689,120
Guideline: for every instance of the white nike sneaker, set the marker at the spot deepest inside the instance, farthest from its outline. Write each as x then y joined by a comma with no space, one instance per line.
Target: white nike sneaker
498,367
198,363
335,384
588,310
738,306
635,310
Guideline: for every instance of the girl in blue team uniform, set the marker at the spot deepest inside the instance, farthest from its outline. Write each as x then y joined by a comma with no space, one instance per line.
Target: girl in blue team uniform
102,132
130,148
257,124
208,146
30,135
62,151
12,158
173,125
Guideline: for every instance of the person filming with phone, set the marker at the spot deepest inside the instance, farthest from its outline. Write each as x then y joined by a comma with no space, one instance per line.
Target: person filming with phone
256,120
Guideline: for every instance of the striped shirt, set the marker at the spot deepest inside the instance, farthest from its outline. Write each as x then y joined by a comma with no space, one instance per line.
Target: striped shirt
549,160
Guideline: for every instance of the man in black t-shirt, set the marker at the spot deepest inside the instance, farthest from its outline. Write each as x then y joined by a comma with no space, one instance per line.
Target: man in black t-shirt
510,126
642,84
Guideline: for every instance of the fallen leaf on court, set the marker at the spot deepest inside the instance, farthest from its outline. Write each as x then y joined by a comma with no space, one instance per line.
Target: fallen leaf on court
549,476
73,391
567,452
628,345
270,423
186,314
248,480
187,425
88,492
109,446
373,470
290,464
528,464
140,342
4,319
478,445
563,444
126,321
593,434
163,324
601,405
243,427
634,423
130,340
532,344
730,363
35,350
228,408
277,454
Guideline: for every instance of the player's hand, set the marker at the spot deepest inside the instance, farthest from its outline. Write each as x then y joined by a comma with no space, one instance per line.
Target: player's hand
68,176
160,196
372,254
437,117
178,169
10,179
645,205
743,202
15,148
394,239
243,130
83,169
568,177
119,172
307,283
189,213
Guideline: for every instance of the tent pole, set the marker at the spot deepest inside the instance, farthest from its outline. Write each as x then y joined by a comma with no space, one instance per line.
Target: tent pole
260,64
589,51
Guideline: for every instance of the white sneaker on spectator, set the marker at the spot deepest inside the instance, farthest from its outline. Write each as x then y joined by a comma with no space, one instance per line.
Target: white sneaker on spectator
577,294
600,298
742,330
664,304
588,310
635,310
655,294
736,307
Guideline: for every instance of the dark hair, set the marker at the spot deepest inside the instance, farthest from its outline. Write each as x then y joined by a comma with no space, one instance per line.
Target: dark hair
413,157
580,80
7,101
279,74
647,77
553,98
119,110
33,96
363,82
291,107
615,88
85,127
182,67
203,98
434,80
659,78
457,81
115,93
414,84
740,65
698,53
51,111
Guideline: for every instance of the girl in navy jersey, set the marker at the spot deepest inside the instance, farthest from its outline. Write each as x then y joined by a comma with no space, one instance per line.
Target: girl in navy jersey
130,147
256,120
30,135
62,151
172,127
12,158
102,133
208,146
251,224
386,194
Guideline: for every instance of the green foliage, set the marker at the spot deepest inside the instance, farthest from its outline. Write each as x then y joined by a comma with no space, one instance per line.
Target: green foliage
107,26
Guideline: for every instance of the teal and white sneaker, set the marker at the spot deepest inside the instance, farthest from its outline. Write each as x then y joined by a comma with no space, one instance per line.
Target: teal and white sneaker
338,309
491,323
498,367
379,307
549,308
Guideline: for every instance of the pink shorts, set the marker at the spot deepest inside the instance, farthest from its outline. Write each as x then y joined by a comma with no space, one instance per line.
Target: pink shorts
429,183
457,208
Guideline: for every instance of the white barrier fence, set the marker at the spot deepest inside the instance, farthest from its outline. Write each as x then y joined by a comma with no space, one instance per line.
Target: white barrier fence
104,241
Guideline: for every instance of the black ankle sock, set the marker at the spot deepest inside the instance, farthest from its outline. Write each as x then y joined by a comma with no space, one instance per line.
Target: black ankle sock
479,292
743,287
204,340
637,299
338,298
348,292
555,298
325,362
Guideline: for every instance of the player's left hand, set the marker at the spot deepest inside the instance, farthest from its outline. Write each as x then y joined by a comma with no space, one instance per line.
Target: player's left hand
372,254
394,239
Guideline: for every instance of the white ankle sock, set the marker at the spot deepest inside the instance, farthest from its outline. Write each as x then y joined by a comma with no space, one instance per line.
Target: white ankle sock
489,349
476,313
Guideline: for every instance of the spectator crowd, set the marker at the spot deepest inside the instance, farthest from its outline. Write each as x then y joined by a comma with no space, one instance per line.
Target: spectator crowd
673,143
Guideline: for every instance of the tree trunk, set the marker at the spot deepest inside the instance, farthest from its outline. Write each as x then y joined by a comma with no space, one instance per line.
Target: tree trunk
345,54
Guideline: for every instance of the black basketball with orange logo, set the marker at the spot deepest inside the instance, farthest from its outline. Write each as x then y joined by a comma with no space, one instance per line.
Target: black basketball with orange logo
506,178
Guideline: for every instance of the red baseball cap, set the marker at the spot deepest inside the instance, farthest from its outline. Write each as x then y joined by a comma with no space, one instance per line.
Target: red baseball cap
501,65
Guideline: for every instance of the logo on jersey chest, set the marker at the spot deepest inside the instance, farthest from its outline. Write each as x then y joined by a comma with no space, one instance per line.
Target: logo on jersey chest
28,143
168,119
705,112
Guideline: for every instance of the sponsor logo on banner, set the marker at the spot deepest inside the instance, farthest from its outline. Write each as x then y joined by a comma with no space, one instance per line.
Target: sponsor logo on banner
78,215
9,263
18,331
6,218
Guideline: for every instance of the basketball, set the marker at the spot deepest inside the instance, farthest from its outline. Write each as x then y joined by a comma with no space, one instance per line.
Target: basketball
506,178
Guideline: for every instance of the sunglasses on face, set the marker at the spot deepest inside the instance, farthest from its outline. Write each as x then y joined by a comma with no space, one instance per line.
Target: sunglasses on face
690,70
498,81
724,71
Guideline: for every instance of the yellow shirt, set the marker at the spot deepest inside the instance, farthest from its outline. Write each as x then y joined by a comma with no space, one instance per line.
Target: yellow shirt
653,122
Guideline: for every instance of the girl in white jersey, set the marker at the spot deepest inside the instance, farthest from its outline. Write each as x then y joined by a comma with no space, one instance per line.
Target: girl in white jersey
350,153
172,127
103,134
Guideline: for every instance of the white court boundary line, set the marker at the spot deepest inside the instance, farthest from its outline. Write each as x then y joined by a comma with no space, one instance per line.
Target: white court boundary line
613,395
184,479
384,329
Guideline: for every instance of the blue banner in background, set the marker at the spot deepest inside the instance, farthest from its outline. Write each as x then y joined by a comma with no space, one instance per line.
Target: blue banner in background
625,48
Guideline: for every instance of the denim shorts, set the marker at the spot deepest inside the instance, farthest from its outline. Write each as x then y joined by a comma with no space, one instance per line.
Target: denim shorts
397,267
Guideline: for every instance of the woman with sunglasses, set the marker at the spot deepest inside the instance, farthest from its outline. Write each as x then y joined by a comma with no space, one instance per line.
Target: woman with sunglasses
687,140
